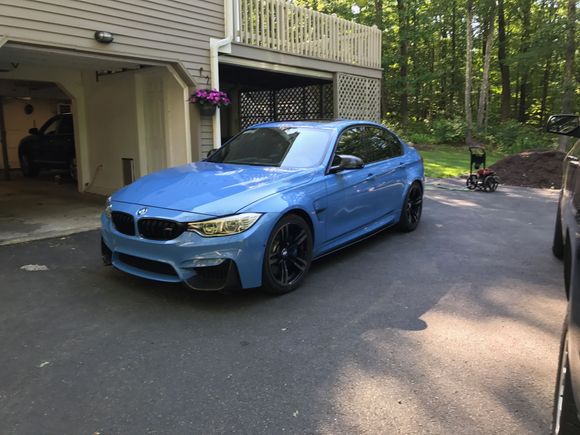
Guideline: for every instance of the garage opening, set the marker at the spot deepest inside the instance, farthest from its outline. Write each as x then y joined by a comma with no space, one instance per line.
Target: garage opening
92,124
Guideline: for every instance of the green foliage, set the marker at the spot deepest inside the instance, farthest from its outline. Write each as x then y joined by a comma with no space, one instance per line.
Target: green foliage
449,131
512,137
420,138
435,37
442,131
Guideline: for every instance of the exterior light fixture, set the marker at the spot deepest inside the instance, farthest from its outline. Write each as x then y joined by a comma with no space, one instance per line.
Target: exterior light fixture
104,37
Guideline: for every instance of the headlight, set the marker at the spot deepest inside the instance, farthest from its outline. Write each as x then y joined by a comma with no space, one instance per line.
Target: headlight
225,226
108,207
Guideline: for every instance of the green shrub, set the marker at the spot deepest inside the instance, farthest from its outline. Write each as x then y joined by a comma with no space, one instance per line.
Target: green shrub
419,138
449,131
513,137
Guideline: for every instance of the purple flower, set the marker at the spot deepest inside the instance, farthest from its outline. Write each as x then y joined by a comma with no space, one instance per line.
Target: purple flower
210,96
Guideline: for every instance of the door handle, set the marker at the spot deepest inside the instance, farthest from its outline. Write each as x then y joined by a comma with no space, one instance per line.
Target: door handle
370,175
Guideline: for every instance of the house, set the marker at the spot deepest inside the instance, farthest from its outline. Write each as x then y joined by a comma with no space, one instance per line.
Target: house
125,69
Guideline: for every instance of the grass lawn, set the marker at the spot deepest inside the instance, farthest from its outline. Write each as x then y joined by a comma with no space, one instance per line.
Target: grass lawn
443,161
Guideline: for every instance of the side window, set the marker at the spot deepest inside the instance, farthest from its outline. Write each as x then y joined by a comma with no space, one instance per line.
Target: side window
392,144
51,127
380,144
372,144
352,142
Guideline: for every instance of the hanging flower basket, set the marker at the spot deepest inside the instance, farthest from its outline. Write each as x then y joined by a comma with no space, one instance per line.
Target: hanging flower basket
207,109
209,100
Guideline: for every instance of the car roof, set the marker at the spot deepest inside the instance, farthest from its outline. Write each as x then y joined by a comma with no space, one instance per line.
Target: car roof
334,124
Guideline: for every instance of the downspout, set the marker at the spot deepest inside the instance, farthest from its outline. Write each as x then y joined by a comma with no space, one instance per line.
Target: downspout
214,48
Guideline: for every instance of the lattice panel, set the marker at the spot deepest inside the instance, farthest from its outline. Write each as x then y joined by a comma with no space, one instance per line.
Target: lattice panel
289,104
256,107
358,97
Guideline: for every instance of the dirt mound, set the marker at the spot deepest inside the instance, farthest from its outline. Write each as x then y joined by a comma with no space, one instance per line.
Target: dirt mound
531,169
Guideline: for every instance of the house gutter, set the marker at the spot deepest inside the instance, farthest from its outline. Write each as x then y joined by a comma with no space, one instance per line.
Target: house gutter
215,46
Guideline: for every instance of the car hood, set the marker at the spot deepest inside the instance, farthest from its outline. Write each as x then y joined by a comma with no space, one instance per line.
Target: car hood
210,188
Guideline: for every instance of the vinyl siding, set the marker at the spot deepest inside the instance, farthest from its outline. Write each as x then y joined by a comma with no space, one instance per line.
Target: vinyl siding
166,30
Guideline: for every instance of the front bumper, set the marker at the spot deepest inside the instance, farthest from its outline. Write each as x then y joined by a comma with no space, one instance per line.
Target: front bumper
203,263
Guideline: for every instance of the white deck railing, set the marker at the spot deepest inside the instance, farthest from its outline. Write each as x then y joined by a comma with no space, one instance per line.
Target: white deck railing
282,26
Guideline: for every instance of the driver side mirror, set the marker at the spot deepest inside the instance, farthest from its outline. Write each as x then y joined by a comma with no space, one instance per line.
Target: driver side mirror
33,131
345,162
568,125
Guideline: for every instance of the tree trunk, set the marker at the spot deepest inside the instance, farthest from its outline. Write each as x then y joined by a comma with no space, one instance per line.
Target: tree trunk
545,88
404,61
454,68
525,68
379,22
506,92
484,90
552,8
468,70
379,14
569,85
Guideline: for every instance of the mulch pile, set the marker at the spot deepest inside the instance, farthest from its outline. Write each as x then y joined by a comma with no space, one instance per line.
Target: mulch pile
541,169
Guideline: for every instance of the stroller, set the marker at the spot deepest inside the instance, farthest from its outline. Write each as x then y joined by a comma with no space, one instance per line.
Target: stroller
484,178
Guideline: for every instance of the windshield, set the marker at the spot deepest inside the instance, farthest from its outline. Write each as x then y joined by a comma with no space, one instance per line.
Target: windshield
288,147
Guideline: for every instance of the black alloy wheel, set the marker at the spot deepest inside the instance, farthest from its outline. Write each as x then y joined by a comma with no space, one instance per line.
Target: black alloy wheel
565,418
412,209
471,182
288,255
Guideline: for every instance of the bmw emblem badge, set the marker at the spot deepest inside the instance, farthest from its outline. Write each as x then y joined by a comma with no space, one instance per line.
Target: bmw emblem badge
142,211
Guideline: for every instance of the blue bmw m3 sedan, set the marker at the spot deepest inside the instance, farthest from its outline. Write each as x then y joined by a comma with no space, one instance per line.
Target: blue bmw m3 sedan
259,209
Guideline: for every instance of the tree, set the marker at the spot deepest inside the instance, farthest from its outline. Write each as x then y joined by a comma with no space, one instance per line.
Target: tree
468,70
524,64
403,60
506,93
484,90
569,88
432,66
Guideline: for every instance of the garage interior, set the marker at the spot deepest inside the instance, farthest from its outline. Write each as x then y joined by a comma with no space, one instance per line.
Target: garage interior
130,118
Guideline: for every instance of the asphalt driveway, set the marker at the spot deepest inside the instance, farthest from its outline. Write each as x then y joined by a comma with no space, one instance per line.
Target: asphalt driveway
452,329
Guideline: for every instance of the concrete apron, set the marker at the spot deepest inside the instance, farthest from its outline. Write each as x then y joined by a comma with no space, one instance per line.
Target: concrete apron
45,207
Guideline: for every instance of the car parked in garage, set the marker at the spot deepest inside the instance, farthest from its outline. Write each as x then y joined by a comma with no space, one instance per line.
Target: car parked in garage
50,147
259,209
566,246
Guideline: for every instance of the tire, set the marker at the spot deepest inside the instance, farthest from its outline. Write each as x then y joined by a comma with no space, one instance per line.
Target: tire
471,182
72,169
565,414
494,183
558,243
567,266
412,209
490,183
288,255
28,167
